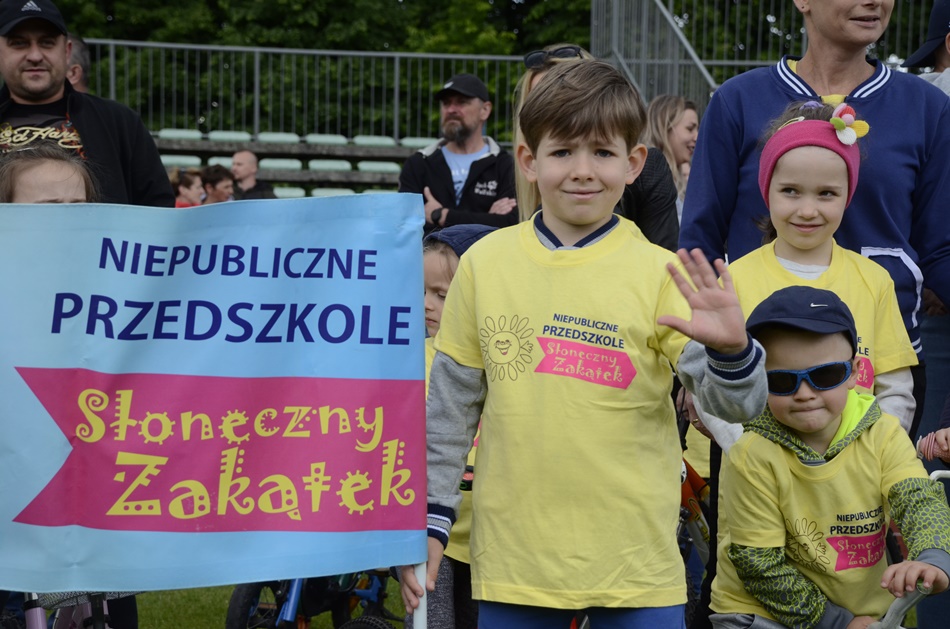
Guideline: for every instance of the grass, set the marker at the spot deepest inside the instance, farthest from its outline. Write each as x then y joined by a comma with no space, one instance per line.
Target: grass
206,608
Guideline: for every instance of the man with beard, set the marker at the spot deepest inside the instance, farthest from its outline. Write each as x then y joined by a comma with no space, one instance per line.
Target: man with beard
38,102
465,177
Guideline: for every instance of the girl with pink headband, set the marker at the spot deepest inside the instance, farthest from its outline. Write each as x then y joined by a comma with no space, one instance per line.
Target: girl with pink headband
808,171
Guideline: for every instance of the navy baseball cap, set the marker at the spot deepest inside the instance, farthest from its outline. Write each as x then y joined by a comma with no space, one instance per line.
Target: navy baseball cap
805,308
13,12
460,237
466,85
923,57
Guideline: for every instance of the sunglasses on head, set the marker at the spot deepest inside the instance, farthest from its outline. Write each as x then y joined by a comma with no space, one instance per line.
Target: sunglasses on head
536,60
821,378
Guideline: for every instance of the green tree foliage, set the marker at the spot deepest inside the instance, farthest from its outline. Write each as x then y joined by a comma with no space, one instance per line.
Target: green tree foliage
463,27
554,21
496,27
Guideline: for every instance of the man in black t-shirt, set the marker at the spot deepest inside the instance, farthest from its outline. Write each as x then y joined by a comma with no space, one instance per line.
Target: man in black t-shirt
37,102
246,183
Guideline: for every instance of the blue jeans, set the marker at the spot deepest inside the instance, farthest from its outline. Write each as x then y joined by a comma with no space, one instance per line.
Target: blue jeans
932,612
505,616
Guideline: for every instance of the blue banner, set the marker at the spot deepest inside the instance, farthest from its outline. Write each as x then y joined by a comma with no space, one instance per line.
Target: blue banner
221,394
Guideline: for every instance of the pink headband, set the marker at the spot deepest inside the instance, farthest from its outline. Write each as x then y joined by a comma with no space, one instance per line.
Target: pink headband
808,133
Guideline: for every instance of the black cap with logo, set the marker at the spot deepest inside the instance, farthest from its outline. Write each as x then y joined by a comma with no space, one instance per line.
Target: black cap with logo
14,12
466,85
805,308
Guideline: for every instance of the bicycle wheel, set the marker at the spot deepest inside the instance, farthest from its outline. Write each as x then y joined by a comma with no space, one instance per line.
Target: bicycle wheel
692,599
367,622
255,605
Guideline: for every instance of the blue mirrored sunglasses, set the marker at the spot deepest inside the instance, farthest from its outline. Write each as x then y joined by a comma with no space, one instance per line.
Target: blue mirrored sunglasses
821,378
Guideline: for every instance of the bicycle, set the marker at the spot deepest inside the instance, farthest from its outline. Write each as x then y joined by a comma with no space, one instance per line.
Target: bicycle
293,602
72,609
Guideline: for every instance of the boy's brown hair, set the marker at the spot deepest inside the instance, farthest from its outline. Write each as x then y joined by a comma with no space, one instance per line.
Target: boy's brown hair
582,100
213,175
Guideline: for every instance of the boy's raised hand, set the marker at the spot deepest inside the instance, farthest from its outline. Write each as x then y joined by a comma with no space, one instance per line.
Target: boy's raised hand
717,321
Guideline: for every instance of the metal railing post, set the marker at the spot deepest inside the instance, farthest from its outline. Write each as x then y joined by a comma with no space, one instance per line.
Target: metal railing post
112,90
396,85
257,92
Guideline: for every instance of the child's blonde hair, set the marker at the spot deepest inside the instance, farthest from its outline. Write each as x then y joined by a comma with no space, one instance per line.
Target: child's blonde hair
437,247
14,163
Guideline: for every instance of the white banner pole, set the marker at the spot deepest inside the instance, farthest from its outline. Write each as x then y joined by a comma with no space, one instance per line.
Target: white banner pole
419,616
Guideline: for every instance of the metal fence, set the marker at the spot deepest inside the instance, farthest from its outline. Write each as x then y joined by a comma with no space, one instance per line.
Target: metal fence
689,47
298,91
686,47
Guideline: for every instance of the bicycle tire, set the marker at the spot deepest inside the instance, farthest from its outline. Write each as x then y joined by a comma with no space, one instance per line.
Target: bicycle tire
340,612
255,605
367,622
692,599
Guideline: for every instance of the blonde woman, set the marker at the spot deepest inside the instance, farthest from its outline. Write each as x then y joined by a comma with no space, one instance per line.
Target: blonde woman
672,127
650,201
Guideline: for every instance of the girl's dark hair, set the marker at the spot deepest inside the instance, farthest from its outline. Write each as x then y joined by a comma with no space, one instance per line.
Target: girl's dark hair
15,162
810,110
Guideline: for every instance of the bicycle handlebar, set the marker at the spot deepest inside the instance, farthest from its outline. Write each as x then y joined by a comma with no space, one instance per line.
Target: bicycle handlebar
900,607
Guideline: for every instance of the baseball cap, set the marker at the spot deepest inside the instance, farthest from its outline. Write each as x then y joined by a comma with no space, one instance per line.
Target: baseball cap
805,308
466,85
460,237
936,33
13,12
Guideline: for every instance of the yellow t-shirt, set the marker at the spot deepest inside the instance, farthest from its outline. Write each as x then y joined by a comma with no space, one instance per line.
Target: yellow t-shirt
862,284
697,451
577,493
830,518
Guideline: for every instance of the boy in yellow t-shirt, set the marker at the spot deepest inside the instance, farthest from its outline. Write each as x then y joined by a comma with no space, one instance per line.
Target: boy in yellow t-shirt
560,333
808,490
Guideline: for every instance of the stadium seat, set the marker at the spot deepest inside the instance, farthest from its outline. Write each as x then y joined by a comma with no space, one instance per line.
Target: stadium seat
373,140
377,191
371,166
330,192
218,160
229,136
181,161
280,163
330,165
179,134
325,138
278,137
289,192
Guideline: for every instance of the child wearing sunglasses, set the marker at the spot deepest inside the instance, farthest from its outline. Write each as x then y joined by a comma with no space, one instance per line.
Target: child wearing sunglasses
810,487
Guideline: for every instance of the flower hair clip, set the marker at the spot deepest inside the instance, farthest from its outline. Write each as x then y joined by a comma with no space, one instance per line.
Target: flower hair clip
846,127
